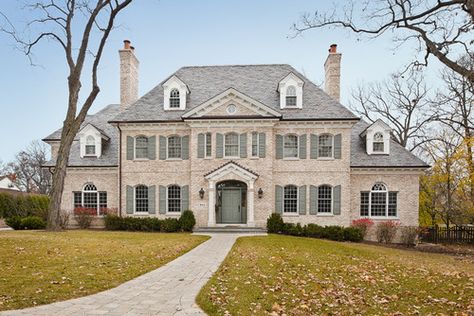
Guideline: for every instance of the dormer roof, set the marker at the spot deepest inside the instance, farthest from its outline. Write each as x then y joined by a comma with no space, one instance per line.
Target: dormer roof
173,79
377,124
91,127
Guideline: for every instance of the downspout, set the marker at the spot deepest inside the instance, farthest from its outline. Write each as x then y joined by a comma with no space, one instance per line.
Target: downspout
120,172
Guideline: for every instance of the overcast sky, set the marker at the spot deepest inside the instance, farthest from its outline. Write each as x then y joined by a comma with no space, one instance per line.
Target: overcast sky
169,34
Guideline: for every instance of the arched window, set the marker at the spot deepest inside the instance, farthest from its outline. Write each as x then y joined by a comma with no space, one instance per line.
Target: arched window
324,199
325,146
141,199
291,96
174,199
174,147
290,199
290,146
231,141
379,202
90,146
378,144
141,147
91,198
174,99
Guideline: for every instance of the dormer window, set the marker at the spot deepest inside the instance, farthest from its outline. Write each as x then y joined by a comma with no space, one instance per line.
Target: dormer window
291,96
90,146
174,99
378,144
377,138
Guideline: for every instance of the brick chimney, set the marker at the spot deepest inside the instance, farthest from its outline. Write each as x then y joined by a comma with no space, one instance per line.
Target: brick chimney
128,75
332,69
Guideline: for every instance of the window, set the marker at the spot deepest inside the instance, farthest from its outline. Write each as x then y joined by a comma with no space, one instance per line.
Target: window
231,145
174,99
141,199
379,202
208,141
290,146
174,147
325,146
141,147
290,199
255,144
174,199
378,144
325,199
291,96
90,198
90,146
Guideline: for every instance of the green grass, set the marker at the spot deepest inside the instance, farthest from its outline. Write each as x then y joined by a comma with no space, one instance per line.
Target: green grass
38,267
302,276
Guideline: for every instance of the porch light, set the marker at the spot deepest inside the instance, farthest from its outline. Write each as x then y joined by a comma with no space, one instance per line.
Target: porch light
201,193
260,193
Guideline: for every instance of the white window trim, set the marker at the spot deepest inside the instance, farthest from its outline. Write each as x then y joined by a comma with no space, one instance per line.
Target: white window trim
251,145
181,148
180,201
386,217
332,147
238,146
297,147
332,202
135,200
205,145
135,149
297,213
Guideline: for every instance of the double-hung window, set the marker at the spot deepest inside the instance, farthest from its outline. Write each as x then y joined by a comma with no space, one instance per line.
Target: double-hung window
290,146
208,143
325,146
141,147
174,199
325,199
231,141
379,202
255,144
174,147
290,199
141,199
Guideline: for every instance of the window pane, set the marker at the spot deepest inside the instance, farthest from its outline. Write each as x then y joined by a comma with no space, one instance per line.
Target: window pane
141,147
90,149
325,146
290,146
141,199
102,202
90,200
174,147
77,199
174,198
254,144
378,203
290,101
174,98
290,199
208,145
232,145
378,147
364,203
392,204
324,199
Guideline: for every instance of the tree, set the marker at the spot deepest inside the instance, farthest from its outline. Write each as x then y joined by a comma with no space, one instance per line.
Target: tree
443,29
81,29
27,167
402,102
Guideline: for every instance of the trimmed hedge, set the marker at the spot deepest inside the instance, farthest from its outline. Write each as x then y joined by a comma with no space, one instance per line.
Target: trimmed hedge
23,205
151,224
29,222
275,224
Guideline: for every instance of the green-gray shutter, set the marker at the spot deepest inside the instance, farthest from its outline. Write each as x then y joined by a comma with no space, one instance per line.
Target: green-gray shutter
278,199
162,148
243,145
261,145
336,191
302,200
201,145
162,198
151,199
219,146
302,147
129,148
337,146
152,147
184,198
279,147
129,200
313,151
185,147
313,200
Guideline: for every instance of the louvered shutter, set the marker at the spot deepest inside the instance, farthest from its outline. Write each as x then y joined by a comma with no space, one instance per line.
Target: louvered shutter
162,148
219,146
185,147
313,200
184,198
279,147
243,145
337,146
151,199
201,138
129,200
152,147
302,200
336,191
302,147
278,199
314,146
129,148
261,145
162,198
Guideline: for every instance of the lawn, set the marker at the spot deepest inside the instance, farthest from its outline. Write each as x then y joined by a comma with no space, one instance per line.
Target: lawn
38,267
301,276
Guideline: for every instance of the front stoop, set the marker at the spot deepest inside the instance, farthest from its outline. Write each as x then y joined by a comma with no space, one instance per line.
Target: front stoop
231,229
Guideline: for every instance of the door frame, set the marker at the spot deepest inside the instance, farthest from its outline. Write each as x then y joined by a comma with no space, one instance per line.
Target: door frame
231,185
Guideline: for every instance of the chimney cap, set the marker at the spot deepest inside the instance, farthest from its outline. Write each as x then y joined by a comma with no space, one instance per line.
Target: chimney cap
126,44
333,48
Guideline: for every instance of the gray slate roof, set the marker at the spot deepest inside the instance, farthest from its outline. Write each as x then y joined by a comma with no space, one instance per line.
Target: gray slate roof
259,82
109,148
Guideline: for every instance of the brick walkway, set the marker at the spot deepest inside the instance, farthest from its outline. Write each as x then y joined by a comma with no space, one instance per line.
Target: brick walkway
168,290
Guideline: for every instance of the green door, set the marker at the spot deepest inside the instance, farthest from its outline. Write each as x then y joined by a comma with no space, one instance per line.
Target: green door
231,206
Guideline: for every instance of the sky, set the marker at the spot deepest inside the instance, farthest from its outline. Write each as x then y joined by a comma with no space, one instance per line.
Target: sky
169,34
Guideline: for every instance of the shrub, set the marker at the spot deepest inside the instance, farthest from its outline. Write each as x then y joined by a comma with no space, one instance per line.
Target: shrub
113,222
386,231
275,223
187,221
64,219
14,222
354,234
334,233
314,230
170,225
23,205
363,225
409,235
84,216
33,222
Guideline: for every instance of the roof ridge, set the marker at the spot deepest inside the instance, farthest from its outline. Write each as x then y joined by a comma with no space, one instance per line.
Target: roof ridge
233,65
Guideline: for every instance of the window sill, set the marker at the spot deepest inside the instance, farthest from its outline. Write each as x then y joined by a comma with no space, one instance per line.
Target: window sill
90,156
325,214
229,157
385,218
175,214
141,213
325,158
208,158
291,158
141,159
173,159
291,214
254,158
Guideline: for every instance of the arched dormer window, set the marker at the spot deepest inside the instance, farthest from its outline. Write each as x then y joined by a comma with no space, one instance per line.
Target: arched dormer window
379,202
378,143
174,99
90,146
291,96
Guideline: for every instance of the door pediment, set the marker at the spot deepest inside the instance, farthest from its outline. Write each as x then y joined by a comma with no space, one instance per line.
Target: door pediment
231,170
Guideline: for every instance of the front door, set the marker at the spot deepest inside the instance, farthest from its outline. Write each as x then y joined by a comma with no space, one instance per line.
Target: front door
231,205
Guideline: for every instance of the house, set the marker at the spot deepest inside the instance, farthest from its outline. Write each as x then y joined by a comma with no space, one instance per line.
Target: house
7,182
236,143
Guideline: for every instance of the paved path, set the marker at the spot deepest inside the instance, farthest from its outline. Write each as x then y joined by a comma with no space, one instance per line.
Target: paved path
168,290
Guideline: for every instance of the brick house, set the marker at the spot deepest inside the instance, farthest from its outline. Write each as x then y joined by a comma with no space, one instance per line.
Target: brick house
236,143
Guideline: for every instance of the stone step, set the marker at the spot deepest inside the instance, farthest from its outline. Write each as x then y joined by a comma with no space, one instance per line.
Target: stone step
231,229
